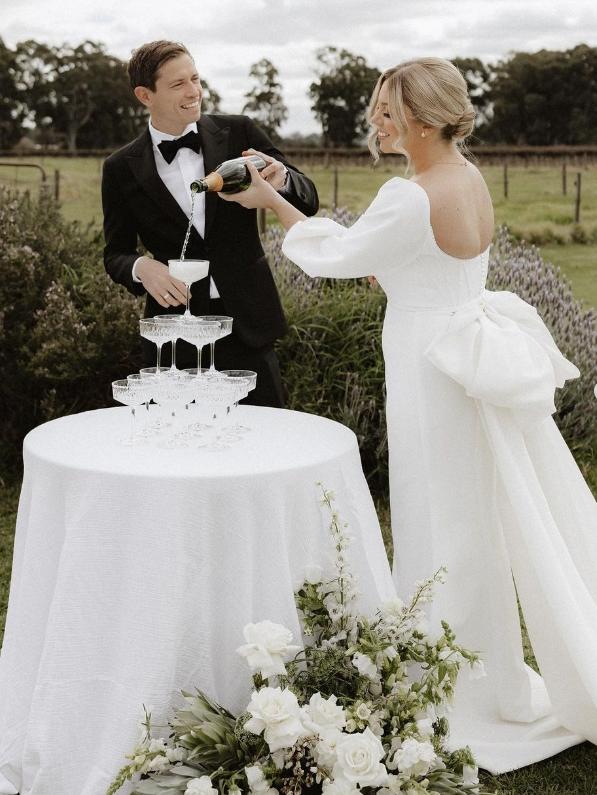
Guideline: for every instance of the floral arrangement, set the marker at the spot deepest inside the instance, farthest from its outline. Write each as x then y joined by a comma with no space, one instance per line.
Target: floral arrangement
361,708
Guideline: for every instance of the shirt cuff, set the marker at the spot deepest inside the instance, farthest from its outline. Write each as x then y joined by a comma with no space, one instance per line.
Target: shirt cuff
135,277
284,188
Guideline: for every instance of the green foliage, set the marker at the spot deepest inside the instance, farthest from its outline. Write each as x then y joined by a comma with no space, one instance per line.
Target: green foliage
66,332
341,95
533,102
81,94
477,76
211,100
10,110
264,101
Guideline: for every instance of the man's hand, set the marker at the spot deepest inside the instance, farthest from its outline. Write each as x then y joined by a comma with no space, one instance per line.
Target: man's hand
274,172
156,279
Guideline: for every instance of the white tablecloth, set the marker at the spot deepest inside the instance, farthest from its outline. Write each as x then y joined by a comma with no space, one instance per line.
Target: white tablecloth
135,570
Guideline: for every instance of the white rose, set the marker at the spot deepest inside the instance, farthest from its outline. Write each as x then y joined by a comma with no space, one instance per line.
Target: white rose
277,714
358,760
200,786
415,758
258,782
365,666
267,646
339,788
313,574
477,670
325,713
158,745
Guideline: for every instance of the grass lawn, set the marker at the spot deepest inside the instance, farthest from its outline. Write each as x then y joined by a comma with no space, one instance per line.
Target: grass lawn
535,205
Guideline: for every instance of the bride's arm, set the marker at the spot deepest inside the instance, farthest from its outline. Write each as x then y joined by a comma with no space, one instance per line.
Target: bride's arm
389,233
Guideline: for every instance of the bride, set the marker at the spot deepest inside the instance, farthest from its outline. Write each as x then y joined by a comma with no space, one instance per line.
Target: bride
480,478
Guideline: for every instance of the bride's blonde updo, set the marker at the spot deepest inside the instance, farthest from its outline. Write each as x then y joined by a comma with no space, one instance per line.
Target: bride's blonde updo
436,94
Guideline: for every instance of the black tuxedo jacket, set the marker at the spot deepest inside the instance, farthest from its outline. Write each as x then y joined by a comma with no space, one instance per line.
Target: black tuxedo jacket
138,206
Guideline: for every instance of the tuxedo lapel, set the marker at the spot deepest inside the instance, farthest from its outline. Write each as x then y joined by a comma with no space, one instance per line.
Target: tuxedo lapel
142,164
214,142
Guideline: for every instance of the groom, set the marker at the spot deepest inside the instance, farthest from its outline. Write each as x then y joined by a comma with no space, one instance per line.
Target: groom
146,197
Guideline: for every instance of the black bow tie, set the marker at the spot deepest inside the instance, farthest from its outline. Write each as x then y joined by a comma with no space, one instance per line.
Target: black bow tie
169,148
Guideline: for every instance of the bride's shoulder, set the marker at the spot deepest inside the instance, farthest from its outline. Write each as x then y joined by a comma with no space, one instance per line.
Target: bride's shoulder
400,187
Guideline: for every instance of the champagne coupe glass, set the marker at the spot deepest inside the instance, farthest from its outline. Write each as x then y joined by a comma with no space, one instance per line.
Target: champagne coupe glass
158,423
188,271
130,395
173,393
251,378
172,324
223,393
203,413
145,382
226,328
154,332
199,332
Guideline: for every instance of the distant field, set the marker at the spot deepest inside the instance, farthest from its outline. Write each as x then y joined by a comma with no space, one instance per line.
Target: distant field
535,208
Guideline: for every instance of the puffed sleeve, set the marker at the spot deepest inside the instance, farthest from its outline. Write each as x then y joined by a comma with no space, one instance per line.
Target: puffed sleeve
388,234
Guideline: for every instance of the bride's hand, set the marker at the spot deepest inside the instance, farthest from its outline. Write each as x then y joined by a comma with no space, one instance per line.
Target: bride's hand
259,194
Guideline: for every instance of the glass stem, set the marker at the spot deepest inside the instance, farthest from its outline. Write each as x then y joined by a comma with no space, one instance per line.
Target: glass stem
173,365
188,311
159,347
199,351
212,346
132,423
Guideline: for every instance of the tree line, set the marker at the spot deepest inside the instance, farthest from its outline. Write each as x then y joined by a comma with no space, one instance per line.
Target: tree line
79,97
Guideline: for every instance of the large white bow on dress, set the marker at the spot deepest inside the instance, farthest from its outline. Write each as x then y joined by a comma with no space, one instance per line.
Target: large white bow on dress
502,353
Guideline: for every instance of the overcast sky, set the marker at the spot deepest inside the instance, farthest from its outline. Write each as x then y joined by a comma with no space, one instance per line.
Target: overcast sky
227,36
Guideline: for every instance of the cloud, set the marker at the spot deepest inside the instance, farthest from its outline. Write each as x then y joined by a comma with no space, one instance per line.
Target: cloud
227,36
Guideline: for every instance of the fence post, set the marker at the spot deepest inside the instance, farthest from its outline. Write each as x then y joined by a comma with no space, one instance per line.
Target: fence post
564,179
577,203
56,184
505,180
335,189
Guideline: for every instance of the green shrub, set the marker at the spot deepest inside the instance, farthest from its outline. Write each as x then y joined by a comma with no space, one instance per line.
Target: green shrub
66,332
579,234
545,236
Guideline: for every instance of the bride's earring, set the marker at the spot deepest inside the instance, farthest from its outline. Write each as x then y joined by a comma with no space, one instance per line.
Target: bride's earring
422,135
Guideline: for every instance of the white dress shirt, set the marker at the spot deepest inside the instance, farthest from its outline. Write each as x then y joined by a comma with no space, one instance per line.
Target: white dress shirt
177,176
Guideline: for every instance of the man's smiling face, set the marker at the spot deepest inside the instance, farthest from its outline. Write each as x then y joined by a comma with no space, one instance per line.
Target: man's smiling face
176,101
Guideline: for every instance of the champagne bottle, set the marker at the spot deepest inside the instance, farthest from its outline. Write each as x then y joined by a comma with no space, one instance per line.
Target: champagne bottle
231,176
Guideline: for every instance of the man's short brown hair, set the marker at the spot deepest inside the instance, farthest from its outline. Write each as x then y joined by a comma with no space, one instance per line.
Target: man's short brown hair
147,59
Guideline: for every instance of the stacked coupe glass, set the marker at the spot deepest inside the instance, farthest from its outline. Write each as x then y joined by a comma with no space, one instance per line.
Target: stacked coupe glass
192,407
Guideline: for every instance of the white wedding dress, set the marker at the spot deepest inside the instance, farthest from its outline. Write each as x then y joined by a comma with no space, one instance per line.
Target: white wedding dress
480,478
